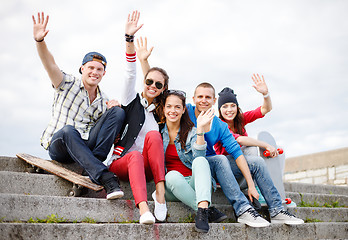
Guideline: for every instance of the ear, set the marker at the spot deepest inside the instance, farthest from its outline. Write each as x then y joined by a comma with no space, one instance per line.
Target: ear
104,73
214,101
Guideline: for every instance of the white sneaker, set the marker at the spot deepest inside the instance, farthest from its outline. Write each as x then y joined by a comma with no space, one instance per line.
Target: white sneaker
253,219
287,218
160,209
147,218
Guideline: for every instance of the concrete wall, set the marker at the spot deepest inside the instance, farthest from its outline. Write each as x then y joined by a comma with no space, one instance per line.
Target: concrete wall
330,167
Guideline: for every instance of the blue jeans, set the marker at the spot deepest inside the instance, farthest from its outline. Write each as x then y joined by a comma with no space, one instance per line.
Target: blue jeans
193,189
220,168
67,146
260,174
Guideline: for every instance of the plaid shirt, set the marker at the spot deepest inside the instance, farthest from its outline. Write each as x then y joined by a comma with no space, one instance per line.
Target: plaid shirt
71,106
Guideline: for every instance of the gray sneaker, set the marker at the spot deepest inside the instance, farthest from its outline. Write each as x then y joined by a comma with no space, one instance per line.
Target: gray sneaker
253,219
287,218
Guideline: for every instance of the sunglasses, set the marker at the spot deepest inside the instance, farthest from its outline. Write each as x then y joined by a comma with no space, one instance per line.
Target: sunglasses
158,85
177,92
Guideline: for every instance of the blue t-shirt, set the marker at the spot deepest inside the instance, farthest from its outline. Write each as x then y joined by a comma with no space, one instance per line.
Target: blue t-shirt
219,132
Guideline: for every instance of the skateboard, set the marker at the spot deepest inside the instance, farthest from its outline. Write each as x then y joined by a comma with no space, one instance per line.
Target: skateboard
78,181
275,166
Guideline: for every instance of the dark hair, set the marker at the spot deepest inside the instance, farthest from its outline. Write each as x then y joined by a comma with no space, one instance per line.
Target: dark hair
238,121
165,76
185,122
205,85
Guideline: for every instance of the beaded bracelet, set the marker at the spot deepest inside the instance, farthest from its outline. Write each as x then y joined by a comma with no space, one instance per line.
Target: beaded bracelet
129,38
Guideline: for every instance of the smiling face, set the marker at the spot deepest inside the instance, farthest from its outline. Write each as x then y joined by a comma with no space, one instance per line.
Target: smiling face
151,91
173,109
92,73
204,98
229,111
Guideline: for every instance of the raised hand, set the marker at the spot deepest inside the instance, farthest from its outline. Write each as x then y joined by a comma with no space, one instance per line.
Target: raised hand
132,23
204,119
39,28
142,51
260,84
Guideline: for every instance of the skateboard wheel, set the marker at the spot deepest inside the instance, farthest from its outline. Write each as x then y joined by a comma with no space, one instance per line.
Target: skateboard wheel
266,153
280,151
74,192
31,170
287,200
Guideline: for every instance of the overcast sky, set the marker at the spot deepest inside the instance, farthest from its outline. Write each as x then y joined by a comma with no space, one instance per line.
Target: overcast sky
301,48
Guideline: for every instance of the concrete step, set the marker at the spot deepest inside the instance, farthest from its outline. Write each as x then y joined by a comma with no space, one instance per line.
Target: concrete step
51,185
180,231
17,207
315,188
14,164
320,199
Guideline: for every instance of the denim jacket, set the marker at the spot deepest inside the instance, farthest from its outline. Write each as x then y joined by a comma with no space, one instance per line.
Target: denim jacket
192,151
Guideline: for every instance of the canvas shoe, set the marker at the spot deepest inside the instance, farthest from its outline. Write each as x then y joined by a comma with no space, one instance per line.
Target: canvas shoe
215,216
147,218
253,219
286,218
111,185
201,220
160,209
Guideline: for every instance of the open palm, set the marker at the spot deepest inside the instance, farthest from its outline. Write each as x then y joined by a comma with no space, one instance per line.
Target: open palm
40,25
132,23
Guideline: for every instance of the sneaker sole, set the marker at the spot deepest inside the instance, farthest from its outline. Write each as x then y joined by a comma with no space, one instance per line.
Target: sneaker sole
220,219
115,195
201,230
254,225
148,222
286,222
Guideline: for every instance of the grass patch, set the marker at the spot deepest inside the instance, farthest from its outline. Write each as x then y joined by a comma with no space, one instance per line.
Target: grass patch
331,204
129,221
50,219
189,219
312,220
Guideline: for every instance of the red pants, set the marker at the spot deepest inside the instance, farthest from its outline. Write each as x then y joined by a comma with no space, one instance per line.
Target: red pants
139,168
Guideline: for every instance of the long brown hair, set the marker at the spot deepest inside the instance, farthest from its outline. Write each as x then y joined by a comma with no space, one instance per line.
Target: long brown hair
238,122
185,122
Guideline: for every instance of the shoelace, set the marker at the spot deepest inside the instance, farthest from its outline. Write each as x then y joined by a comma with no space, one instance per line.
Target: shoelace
203,216
287,213
253,213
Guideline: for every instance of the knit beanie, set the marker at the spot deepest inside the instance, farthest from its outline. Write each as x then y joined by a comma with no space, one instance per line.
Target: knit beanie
227,95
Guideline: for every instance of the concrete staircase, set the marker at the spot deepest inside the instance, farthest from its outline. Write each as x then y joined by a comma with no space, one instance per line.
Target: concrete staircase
26,198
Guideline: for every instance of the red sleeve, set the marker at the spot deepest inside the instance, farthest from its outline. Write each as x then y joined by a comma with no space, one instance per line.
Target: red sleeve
219,149
251,116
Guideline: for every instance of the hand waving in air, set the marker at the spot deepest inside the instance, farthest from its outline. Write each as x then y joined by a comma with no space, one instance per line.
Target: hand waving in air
142,51
40,25
204,119
132,23
260,84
